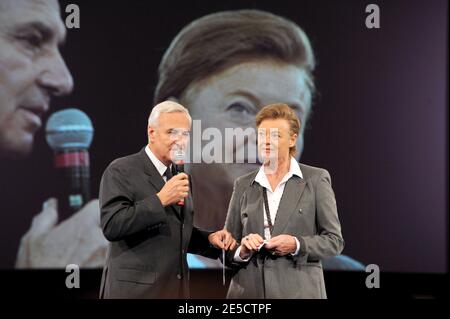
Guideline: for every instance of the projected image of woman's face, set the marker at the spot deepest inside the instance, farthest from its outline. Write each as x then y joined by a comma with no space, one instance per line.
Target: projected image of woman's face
232,98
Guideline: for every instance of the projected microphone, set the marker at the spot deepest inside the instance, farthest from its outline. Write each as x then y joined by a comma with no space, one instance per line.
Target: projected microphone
69,133
178,157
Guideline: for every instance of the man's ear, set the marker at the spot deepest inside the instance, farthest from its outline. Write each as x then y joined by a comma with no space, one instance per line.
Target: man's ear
151,134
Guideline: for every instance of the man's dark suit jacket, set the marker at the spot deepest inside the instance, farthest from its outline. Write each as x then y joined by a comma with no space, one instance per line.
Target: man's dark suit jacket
148,242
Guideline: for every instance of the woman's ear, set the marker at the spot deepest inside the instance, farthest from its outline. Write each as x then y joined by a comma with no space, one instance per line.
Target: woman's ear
293,140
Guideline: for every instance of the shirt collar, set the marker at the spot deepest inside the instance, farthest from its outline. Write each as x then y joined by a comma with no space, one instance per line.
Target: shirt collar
294,169
160,167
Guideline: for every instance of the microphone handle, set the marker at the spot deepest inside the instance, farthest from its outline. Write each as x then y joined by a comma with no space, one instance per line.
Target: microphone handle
73,181
179,168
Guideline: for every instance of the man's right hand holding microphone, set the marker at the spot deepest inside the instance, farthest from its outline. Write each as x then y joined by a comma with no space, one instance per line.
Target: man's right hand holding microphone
176,189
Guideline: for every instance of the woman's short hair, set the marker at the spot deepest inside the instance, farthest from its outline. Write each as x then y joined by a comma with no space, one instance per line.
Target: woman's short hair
280,111
220,40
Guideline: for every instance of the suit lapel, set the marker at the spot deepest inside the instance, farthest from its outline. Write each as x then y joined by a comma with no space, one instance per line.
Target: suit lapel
150,170
289,201
256,212
187,210
155,178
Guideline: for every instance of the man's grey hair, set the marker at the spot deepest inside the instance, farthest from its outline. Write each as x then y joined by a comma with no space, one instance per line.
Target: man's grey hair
167,107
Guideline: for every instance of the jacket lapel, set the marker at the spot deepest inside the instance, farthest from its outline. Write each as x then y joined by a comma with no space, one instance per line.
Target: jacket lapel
150,170
154,178
289,201
255,219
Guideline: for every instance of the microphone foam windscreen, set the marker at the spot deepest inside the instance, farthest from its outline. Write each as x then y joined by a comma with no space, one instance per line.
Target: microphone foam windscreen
69,128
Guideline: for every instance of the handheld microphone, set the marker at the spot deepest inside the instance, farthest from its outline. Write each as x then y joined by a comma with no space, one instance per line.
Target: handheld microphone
69,133
178,156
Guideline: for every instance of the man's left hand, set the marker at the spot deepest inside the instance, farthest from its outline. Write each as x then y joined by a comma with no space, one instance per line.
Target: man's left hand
222,239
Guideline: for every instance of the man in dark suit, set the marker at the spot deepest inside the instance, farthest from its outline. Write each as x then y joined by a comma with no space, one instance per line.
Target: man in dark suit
150,234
